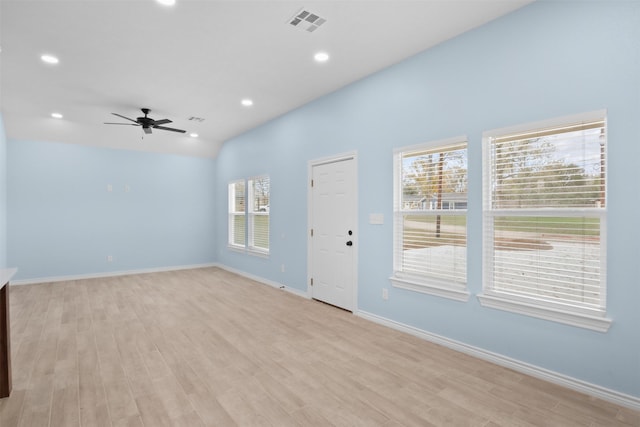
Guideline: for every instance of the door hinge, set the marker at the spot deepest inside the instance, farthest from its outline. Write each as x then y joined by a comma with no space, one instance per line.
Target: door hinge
312,281
312,183
312,232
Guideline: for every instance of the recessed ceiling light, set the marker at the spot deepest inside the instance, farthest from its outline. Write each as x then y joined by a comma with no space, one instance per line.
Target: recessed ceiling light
49,59
56,115
167,2
193,135
247,102
321,57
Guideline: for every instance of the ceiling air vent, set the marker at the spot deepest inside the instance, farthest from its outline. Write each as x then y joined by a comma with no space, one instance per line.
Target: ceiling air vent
306,20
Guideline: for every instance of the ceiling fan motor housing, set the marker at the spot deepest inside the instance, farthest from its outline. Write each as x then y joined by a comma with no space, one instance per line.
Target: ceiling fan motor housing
145,121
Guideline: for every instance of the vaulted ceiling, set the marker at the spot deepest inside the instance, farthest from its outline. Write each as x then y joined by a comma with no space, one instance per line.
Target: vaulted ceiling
194,62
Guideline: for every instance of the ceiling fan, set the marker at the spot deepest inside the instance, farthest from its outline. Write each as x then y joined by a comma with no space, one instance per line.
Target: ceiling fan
146,122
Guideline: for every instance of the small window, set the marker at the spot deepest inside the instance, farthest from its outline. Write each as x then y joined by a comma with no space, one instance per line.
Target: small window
249,222
430,218
545,220
259,190
237,206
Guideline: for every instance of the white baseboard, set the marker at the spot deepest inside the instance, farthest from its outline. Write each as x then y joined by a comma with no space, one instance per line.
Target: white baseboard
264,281
517,365
108,274
603,393
526,368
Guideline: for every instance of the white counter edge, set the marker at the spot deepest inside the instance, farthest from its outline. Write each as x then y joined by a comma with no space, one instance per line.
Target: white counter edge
6,274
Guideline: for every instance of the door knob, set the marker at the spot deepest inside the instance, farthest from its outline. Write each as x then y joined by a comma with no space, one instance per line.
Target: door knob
349,243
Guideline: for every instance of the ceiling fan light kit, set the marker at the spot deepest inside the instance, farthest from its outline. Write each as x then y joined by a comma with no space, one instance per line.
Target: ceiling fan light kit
146,122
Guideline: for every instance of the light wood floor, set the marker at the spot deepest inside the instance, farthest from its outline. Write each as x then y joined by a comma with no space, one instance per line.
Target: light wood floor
206,347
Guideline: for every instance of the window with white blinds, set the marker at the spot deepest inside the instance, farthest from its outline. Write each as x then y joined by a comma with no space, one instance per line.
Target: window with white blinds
237,207
430,218
545,220
249,214
258,212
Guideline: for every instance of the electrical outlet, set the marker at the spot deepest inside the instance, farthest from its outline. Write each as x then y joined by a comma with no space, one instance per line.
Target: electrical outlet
385,293
109,258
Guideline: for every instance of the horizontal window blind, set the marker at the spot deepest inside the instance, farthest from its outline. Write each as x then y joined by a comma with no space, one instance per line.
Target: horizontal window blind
544,216
563,169
430,223
426,253
259,189
237,206
557,259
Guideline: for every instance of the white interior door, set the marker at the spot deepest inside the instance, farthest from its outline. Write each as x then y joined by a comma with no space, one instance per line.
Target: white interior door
333,232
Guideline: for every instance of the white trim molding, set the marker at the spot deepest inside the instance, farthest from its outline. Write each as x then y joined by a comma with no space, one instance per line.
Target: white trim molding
573,318
160,270
108,274
444,291
248,251
547,123
264,281
594,390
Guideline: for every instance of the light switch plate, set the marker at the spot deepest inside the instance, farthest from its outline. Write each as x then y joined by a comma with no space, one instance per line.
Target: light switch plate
376,218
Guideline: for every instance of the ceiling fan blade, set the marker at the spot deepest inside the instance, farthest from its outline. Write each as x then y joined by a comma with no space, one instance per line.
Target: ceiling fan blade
171,129
146,129
126,118
162,122
127,124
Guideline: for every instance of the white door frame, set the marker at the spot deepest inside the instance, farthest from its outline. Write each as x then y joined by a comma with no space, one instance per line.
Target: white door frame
350,155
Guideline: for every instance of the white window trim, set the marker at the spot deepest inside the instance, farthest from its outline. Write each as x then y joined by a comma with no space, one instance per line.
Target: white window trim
251,249
596,321
247,247
430,286
236,248
230,215
593,319
419,283
257,252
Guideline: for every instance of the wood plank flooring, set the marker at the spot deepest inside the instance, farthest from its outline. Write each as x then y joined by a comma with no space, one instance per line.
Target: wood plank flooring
206,347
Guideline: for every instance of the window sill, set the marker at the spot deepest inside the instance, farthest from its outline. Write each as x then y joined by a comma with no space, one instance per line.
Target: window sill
249,251
581,320
258,252
240,249
430,287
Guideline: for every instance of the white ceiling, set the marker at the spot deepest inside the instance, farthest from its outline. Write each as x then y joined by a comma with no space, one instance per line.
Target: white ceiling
199,58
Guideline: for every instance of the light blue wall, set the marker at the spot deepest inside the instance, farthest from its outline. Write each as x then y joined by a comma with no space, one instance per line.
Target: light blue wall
3,195
62,221
546,60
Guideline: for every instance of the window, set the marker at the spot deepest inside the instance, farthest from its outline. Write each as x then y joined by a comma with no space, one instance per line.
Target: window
430,218
545,220
259,213
237,229
249,223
